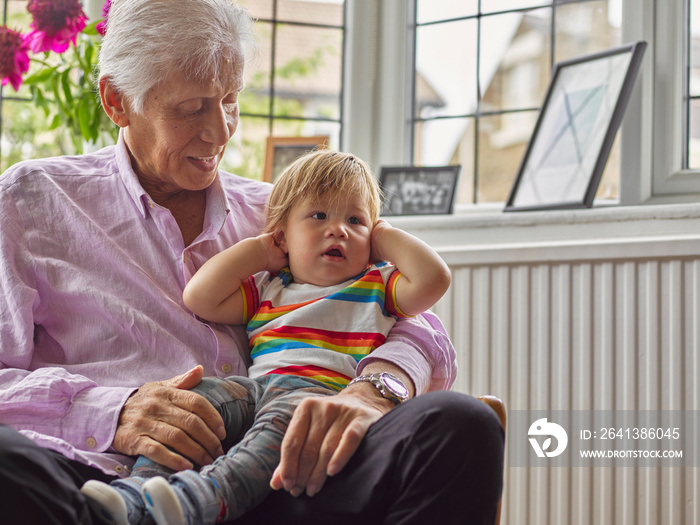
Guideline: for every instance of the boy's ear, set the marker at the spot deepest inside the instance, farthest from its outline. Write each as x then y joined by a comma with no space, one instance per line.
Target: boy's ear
281,240
113,103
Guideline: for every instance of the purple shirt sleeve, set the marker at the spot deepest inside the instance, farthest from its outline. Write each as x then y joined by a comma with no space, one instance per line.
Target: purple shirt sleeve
421,348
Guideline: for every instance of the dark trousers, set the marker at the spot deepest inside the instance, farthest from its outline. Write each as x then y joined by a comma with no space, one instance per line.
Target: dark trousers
435,459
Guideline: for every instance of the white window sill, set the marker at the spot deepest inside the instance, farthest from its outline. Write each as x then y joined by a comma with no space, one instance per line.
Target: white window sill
490,226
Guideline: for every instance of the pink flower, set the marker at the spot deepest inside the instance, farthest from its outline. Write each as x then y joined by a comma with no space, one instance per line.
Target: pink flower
102,25
14,60
55,24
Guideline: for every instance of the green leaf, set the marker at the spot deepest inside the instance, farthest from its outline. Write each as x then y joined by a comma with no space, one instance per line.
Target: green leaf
98,115
91,29
53,83
40,100
67,87
56,121
84,118
88,57
40,76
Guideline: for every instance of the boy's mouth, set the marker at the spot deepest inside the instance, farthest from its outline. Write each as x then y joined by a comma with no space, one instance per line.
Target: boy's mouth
334,252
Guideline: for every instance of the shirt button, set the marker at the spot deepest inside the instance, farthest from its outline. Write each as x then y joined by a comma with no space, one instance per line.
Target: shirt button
118,469
226,368
91,442
150,203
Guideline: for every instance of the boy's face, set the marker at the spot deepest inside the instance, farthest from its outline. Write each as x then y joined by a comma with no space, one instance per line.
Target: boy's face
327,244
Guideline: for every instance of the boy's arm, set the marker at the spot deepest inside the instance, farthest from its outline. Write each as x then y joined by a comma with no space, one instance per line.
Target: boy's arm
213,293
425,276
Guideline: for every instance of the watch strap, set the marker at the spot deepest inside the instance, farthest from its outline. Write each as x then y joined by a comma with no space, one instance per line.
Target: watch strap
378,380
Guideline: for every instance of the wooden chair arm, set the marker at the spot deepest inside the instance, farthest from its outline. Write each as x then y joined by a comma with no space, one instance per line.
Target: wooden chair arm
497,405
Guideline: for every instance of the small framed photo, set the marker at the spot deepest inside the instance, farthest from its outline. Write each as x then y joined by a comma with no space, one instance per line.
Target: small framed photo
280,152
574,133
419,191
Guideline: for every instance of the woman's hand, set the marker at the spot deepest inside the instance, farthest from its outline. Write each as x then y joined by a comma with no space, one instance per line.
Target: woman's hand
168,424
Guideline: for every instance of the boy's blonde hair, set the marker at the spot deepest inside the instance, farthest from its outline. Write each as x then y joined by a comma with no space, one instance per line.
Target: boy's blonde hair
322,174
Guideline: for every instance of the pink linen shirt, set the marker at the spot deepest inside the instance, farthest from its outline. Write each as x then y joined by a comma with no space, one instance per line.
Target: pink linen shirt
91,279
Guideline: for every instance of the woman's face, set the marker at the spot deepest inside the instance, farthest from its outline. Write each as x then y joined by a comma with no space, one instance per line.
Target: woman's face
178,141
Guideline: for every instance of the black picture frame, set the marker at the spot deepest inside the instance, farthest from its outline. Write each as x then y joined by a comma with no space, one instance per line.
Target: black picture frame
410,190
582,111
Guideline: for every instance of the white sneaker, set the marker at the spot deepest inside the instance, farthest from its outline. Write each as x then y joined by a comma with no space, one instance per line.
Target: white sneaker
161,501
106,502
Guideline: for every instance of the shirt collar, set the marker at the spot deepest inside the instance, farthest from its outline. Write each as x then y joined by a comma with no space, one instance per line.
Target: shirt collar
218,209
218,206
131,181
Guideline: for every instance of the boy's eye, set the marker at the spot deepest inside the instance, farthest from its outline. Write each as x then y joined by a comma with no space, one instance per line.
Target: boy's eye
354,220
319,215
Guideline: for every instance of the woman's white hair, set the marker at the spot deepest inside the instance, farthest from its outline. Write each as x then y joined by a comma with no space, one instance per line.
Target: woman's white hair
146,39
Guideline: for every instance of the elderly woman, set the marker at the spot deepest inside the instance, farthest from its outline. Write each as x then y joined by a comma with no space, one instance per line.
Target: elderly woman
94,254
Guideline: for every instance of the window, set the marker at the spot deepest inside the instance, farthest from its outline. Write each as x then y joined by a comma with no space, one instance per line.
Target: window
481,73
655,142
691,157
476,72
367,73
19,120
294,86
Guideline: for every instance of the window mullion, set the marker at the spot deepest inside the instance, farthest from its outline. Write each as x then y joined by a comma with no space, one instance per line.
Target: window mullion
637,131
377,94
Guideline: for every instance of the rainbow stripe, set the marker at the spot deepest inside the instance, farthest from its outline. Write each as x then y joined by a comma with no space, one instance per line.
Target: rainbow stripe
331,378
318,338
367,289
392,306
249,293
355,344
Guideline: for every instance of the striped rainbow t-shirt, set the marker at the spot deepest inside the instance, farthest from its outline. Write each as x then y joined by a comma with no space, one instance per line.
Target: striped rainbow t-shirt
314,331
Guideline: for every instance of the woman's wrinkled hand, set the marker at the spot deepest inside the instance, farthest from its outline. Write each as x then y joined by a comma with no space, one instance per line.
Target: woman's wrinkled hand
168,424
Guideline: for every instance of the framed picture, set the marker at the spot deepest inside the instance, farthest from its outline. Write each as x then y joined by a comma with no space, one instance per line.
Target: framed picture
418,191
280,152
570,144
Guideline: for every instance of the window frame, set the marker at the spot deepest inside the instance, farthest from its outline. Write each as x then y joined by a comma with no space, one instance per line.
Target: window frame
270,115
654,141
378,96
670,177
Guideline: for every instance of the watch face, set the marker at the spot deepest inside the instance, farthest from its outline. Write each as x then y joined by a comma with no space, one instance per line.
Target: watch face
395,385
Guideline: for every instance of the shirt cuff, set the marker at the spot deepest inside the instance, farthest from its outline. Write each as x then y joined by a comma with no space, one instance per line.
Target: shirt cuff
92,421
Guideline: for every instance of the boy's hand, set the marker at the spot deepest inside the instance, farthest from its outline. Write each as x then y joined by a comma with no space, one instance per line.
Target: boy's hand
376,253
276,258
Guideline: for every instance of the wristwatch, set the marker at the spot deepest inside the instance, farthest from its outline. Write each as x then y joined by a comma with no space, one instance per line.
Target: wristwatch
389,386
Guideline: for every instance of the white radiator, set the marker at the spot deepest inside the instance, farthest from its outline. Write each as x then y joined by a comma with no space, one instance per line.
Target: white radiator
583,325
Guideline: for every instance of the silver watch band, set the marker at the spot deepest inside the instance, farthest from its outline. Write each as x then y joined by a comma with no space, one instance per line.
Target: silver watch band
388,385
